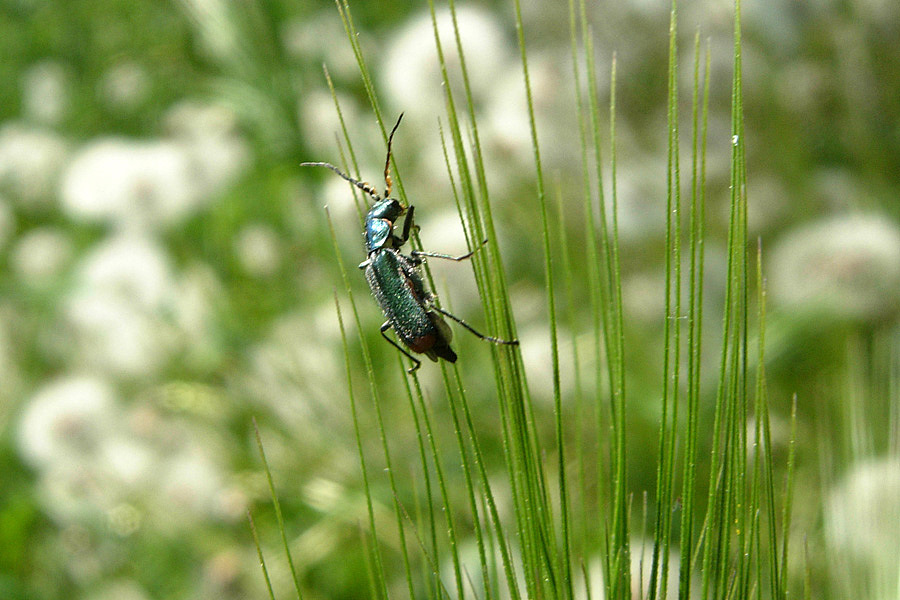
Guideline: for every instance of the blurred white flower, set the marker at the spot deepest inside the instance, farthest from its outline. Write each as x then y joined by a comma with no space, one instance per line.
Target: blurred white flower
113,335
506,133
71,433
40,255
323,494
443,230
45,92
124,85
66,419
124,519
127,460
321,122
507,127
862,521
128,311
117,312
641,197
217,28
191,311
848,267
338,198
192,120
73,491
537,358
190,482
862,514
124,589
644,296
96,462
641,561
232,503
30,161
130,183
209,135
129,266
302,39
222,571
258,250
411,71
294,369
156,183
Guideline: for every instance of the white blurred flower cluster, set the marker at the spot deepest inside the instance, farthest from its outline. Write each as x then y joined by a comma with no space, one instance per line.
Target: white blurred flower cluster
30,161
150,184
291,374
121,309
862,526
846,268
99,460
409,71
128,310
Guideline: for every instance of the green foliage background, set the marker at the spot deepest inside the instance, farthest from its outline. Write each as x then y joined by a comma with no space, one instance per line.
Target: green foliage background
158,298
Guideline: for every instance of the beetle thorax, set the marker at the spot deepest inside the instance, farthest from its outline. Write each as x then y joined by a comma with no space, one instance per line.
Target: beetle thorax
380,224
389,209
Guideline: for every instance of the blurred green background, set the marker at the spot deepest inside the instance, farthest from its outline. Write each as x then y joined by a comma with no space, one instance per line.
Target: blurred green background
167,270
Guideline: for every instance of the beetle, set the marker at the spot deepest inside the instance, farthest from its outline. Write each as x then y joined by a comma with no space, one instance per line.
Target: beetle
394,278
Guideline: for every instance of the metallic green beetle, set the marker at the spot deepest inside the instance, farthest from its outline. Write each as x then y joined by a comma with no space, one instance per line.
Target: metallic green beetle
394,279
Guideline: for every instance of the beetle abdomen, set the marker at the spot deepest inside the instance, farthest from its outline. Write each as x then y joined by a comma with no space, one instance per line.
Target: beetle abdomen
399,291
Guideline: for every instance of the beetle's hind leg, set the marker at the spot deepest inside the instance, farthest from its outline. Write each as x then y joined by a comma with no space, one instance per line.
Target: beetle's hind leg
416,362
478,334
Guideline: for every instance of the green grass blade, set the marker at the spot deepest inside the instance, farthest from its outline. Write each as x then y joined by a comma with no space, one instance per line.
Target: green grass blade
606,300
262,561
472,236
609,286
554,560
278,514
433,554
377,569
695,319
672,336
788,499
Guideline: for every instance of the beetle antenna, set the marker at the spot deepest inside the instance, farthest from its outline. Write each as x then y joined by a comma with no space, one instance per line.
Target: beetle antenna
387,162
366,187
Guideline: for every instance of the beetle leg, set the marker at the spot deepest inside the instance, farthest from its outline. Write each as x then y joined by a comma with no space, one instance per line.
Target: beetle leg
416,362
479,335
418,253
407,227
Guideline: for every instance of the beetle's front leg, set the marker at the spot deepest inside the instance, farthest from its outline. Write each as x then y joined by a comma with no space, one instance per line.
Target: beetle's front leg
408,225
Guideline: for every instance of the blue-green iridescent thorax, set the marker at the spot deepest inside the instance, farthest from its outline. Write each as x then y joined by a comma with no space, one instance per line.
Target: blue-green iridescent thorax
380,223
